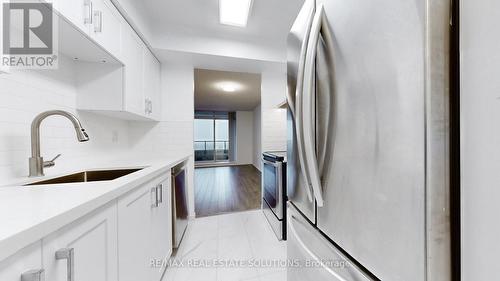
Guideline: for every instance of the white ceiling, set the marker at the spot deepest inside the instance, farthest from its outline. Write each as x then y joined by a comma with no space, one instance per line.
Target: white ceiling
209,96
222,63
268,19
184,20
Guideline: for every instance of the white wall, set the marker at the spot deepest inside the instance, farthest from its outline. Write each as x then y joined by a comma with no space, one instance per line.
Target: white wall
480,151
244,137
273,119
174,134
257,138
23,95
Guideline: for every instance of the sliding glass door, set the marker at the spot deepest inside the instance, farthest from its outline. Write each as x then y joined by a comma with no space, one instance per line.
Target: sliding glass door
211,136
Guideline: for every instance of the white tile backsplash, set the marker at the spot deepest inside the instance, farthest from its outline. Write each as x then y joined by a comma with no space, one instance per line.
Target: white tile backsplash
25,94
274,130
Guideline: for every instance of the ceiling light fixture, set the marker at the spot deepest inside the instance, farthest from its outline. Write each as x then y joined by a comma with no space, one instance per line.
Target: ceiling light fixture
228,86
234,12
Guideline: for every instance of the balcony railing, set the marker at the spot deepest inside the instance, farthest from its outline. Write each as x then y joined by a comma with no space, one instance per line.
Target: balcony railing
211,150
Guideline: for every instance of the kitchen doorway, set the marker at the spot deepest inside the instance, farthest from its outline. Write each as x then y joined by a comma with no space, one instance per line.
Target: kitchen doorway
227,142
212,141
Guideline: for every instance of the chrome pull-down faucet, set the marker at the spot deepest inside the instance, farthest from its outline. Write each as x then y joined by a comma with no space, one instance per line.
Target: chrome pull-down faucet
36,161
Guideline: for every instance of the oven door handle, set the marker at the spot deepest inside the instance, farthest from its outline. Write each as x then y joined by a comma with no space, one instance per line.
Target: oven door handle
274,164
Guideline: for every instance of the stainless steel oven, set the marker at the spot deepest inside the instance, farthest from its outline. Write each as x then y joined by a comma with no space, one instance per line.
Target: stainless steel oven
274,191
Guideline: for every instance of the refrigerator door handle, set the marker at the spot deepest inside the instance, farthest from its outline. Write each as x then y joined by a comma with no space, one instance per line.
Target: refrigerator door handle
308,118
299,112
317,260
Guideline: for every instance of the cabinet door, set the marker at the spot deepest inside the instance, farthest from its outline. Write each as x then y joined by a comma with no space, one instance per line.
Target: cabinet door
106,26
161,228
152,84
94,243
134,222
29,258
132,57
78,12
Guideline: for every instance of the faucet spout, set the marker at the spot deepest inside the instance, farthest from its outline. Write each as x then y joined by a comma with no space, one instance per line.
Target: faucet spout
36,161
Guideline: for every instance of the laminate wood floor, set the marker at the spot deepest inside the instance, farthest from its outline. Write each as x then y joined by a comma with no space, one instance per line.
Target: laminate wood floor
228,189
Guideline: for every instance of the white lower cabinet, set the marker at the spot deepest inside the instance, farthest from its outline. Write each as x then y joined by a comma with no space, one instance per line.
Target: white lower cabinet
134,214
161,228
27,259
120,241
144,231
87,249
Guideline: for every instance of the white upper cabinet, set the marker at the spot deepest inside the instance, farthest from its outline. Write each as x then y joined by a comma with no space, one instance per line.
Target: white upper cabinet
78,12
134,82
124,84
106,26
97,18
151,84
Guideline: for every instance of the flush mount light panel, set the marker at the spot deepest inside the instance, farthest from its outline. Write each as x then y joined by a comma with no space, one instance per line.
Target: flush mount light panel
228,86
234,12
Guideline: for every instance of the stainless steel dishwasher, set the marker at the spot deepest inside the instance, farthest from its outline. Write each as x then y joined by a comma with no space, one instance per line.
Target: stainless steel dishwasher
179,204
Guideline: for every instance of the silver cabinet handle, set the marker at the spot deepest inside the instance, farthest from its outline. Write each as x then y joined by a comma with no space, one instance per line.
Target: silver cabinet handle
33,275
68,254
98,21
160,192
308,119
88,13
154,196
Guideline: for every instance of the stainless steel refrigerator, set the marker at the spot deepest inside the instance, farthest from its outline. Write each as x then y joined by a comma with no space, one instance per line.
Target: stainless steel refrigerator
368,135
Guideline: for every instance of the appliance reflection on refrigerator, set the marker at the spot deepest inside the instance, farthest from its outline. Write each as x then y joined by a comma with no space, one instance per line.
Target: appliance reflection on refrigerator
367,162
274,191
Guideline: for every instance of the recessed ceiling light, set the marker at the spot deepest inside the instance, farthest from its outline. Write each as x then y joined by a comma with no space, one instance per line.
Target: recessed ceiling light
228,86
234,12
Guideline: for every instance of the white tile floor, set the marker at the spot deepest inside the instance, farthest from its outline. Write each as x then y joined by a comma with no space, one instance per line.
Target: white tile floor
226,239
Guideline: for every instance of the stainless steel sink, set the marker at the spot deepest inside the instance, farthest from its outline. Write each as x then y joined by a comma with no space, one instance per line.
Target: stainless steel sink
88,176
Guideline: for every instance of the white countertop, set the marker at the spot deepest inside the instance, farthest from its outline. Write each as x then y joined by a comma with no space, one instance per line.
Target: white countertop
29,213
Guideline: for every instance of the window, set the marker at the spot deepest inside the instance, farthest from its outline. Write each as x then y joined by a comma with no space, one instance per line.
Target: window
211,136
